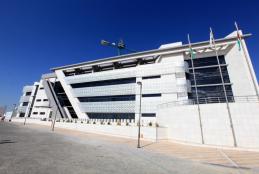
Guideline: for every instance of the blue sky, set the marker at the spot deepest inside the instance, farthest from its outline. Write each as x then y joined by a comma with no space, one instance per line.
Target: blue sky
36,35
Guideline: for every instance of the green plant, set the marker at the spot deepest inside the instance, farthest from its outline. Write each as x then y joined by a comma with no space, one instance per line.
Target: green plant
118,123
88,121
109,123
94,122
127,124
82,122
157,125
150,123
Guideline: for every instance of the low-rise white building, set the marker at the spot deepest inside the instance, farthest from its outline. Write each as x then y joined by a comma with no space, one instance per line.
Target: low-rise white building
27,100
209,99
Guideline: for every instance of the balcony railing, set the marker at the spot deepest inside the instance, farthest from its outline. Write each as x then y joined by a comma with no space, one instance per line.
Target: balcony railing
210,100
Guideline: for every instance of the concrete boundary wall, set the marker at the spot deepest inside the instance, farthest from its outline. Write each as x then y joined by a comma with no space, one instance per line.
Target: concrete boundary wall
147,133
183,124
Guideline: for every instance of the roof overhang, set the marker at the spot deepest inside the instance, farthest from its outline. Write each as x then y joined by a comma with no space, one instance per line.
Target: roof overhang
155,52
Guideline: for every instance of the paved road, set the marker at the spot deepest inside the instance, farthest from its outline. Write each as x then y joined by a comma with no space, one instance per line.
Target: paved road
27,150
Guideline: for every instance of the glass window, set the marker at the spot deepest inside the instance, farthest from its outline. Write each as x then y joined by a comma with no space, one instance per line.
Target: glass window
27,93
209,76
151,77
25,103
148,115
107,98
111,115
35,113
22,114
42,113
208,80
206,61
151,95
212,94
104,83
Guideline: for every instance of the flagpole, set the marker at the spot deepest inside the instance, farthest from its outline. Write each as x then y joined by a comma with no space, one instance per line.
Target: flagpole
224,89
247,62
195,85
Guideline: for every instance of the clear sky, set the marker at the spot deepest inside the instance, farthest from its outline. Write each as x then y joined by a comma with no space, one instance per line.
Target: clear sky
36,35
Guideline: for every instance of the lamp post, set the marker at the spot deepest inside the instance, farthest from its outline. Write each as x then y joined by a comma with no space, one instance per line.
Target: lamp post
55,116
120,45
139,118
14,111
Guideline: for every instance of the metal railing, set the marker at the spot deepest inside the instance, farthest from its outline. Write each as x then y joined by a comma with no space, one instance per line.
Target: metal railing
211,100
115,122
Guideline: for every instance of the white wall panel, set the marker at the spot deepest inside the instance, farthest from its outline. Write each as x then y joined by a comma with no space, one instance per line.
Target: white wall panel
109,107
124,89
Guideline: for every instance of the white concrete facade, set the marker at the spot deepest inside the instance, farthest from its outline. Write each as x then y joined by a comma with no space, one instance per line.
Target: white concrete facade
26,100
41,108
110,88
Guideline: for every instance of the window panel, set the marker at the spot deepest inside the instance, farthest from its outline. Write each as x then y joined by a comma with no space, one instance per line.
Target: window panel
151,77
25,103
148,115
151,95
111,115
107,98
104,83
208,80
207,61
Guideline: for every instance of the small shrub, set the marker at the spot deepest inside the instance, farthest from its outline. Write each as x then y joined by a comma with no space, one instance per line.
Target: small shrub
109,123
94,122
150,124
88,122
82,122
102,122
118,123
157,125
127,124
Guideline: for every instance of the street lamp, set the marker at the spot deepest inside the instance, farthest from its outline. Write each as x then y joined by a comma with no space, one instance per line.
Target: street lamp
55,116
120,45
139,118
14,111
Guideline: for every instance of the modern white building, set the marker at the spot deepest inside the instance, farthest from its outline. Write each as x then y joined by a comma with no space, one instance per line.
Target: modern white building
27,100
210,99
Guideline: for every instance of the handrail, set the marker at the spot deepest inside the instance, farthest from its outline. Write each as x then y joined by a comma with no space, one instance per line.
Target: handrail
210,100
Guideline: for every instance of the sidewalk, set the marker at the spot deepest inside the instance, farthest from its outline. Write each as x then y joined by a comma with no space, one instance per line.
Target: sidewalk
222,157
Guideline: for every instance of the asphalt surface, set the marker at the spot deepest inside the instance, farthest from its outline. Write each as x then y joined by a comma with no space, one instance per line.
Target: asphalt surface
27,150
